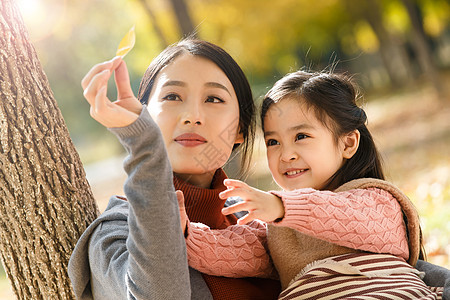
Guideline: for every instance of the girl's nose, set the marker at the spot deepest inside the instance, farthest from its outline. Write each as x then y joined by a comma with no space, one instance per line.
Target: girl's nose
288,154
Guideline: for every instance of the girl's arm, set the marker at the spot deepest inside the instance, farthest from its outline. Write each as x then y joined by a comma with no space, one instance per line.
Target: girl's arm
237,251
365,219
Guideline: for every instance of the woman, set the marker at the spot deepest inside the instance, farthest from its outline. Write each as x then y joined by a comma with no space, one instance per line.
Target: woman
201,101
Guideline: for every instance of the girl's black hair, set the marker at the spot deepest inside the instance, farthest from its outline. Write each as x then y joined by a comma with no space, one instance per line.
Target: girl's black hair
333,100
231,69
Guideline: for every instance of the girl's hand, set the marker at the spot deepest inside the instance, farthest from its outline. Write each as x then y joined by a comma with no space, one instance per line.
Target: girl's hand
126,109
259,204
183,215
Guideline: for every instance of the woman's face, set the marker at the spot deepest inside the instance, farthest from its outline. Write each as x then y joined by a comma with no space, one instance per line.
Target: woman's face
301,151
194,104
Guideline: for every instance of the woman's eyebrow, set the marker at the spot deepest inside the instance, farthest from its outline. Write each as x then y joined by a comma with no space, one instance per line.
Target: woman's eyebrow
217,85
208,84
174,83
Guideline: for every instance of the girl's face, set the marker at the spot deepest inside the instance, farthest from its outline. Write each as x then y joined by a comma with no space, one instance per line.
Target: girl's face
195,106
301,151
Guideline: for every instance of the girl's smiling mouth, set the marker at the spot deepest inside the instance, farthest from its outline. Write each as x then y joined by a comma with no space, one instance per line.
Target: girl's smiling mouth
190,139
292,173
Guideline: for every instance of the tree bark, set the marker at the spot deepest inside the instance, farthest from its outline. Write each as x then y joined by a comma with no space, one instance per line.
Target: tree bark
156,28
183,17
421,47
45,200
391,52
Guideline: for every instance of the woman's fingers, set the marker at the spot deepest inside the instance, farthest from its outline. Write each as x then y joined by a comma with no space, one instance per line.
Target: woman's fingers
182,208
98,68
99,106
97,82
122,79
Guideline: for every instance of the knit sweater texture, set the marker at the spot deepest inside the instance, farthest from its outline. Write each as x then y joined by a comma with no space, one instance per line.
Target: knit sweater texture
205,206
136,249
363,215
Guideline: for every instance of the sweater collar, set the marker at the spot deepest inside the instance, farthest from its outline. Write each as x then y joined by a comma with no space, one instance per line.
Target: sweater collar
204,205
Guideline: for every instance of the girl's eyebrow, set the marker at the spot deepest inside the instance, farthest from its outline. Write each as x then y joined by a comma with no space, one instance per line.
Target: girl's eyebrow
301,127
293,128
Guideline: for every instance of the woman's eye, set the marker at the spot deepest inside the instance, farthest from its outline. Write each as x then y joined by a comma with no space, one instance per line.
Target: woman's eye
172,97
300,136
214,100
272,142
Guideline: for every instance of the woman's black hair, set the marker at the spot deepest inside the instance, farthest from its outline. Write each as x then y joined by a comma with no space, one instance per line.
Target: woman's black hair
231,69
333,99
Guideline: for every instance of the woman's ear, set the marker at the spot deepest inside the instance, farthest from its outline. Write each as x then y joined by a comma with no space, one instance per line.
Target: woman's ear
239,136
351,143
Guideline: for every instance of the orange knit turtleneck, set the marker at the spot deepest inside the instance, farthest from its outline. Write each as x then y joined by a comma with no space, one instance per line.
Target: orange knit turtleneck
205,206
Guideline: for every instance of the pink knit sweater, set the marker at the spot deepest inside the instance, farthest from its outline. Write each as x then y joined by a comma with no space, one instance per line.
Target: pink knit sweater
363,219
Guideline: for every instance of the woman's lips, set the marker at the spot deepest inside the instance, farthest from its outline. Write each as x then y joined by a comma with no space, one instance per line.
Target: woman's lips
190,139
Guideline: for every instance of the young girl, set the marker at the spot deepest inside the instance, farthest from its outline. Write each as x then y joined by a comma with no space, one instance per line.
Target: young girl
202,103
338,229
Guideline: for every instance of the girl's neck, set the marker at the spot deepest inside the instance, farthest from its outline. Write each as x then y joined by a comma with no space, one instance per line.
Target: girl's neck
199,180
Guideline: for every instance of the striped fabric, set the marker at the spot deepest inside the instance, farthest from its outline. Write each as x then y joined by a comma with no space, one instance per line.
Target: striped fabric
360,276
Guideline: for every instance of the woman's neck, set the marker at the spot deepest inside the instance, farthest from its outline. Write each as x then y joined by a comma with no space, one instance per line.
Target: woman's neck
199,180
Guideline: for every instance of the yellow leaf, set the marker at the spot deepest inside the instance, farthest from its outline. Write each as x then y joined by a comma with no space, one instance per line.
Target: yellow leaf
127,43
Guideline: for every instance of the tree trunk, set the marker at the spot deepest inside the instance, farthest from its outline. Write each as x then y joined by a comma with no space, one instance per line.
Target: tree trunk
394,61
156,28
183,17
421,47
45,201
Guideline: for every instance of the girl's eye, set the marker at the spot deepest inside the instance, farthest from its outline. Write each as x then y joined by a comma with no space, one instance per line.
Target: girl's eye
172,97
272,142
300,136
212,99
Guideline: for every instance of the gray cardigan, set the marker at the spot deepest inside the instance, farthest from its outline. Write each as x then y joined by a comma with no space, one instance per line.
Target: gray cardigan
136,249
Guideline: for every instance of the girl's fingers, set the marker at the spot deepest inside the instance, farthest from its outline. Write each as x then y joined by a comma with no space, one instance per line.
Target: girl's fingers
98,68
99,81
233,183
241,206
246,219
234,192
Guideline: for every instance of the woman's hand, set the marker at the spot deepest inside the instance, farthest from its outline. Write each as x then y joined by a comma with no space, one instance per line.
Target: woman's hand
183,215
120,113
259,204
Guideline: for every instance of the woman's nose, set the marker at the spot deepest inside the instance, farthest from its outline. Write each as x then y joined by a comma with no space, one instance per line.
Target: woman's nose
193,116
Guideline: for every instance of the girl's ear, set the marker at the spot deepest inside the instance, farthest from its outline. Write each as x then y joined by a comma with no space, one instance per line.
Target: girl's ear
351,143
